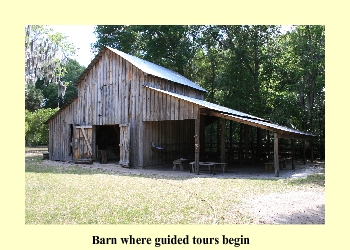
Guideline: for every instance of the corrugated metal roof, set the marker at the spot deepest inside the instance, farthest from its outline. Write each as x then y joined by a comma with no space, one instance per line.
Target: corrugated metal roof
234,113
156,70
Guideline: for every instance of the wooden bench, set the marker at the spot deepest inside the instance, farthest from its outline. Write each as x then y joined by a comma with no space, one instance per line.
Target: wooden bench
179,163
211,166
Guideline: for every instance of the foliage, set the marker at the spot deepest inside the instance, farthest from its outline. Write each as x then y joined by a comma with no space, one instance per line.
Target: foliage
50,92
171,46
33,98
45,52
36,132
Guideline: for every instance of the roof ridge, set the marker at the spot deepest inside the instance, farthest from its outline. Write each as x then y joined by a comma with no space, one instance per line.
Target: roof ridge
157,70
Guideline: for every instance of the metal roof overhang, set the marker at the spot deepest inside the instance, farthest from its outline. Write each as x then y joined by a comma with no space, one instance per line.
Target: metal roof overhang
207,108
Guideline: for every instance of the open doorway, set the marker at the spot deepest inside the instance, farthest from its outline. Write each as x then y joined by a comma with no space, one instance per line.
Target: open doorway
107,139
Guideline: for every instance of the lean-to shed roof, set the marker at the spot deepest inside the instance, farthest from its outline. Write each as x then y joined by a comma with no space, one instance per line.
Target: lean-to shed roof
231,114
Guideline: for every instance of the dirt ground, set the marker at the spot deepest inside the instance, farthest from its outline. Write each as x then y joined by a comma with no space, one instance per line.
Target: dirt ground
294,207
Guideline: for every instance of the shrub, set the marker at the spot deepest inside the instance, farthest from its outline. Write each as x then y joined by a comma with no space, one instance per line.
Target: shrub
36,131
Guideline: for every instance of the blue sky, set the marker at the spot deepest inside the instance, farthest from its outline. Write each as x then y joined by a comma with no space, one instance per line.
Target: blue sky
81,36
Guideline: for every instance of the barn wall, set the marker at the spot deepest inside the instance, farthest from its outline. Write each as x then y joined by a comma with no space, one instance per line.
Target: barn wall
176,137
160,107
59,133
173,87
112,92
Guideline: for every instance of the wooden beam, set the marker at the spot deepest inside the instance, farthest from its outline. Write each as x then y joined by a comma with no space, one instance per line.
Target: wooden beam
223,132
304,153
258,142
268,145
312,150
197,142
202,133
275,155
293,160
246,142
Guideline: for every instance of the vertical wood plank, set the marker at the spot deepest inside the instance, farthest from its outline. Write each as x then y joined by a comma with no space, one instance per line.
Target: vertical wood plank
124,93
143,105
95,100
120,103
148,94
293,160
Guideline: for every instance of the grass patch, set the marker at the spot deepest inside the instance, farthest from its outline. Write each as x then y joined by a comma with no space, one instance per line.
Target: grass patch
76,195
314,179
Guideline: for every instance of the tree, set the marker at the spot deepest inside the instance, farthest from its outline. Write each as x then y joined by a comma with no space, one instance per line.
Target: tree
51,98
171,46
45,52
33,98
237,64
36,131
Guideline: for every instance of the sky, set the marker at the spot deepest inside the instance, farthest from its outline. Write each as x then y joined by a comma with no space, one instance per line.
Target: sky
81,36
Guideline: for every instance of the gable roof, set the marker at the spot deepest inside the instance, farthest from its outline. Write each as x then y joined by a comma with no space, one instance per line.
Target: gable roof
147,67
156,70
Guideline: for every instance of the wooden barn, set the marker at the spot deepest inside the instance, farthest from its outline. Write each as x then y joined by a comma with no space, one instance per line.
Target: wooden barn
141,114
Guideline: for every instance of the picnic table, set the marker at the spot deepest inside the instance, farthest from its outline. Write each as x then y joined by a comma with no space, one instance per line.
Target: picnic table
211,166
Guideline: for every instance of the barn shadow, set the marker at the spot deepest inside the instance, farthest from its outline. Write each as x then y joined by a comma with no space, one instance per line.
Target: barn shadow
307,216
252,172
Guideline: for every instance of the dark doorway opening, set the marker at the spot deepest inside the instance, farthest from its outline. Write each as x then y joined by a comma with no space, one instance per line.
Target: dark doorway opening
107,139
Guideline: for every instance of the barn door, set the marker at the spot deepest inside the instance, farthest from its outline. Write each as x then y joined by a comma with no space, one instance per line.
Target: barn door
83,144
124,144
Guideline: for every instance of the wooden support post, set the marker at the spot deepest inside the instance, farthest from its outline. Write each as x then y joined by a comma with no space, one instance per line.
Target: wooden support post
231,129
268,145
217,136
304,153
240,151
202,133
197,143
275,154
312,150
258,142
293,163
223,132
246,142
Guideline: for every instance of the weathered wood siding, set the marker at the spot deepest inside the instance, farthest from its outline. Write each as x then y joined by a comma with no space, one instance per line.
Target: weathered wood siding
166,85
162,107
60,134
112,92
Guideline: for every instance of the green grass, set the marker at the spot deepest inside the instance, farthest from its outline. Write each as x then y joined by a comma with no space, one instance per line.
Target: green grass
76,195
